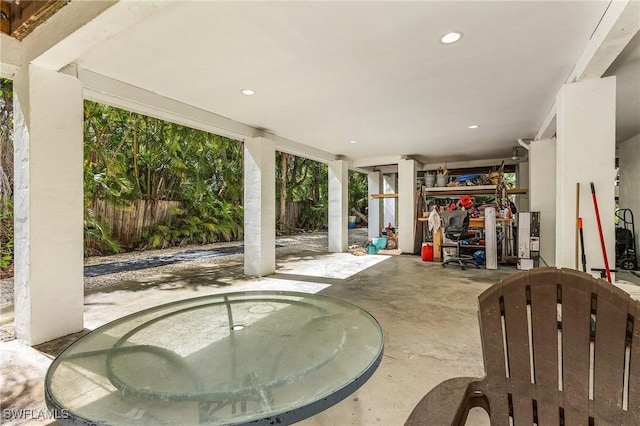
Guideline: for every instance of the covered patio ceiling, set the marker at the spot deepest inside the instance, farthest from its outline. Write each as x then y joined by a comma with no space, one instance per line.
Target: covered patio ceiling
367,81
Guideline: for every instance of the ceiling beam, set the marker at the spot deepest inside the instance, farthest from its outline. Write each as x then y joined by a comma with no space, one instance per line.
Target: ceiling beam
619,24
375,162
548,128
290,146
11,56
106,90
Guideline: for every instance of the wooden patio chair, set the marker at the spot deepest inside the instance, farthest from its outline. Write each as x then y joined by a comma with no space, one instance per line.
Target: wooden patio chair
560,348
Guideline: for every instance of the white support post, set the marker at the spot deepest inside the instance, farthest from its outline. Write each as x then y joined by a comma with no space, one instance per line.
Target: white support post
259,207
49,283
390,205
542,194
585,152
491,238
407,178
338,206
374,205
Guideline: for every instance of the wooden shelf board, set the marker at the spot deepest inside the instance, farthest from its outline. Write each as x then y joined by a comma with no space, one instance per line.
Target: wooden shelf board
393,195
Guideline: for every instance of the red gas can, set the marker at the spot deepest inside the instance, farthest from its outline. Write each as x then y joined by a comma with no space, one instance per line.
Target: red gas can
427,252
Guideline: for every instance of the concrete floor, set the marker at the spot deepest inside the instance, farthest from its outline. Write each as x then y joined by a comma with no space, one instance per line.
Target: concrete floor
428,314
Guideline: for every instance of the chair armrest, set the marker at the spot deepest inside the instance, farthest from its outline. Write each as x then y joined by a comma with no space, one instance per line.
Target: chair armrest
444,405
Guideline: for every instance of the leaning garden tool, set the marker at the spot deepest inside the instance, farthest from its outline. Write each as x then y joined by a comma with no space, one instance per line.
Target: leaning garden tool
604,248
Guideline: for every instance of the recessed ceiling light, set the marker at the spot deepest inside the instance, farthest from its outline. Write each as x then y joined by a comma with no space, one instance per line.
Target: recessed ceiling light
474,126
353,141
451,37
248,92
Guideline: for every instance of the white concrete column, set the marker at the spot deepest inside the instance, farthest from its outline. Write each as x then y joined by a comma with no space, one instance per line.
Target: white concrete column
259,206
629,195
390,205
585,152
338,206
407,187
48,202
542,194
375,224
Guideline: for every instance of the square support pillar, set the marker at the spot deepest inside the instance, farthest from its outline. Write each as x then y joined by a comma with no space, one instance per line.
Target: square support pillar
375,220
259,207
542,194
48,205
407,184
585,152
390,205
338,206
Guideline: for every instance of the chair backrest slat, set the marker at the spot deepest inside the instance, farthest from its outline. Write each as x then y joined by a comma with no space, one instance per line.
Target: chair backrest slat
579,335
633,410
544,318
611,313
517,331
575,326
490,317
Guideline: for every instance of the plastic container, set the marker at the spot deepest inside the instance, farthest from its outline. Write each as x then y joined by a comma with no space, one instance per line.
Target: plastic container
380,242
352,222
372,249
429,180
427,252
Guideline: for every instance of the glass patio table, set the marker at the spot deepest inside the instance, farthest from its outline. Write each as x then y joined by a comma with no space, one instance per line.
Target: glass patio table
260,357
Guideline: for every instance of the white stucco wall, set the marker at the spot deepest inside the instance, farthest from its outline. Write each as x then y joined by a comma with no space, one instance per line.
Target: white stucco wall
629,195
585,152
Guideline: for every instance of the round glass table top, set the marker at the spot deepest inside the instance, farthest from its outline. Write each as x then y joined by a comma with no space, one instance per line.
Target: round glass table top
252,357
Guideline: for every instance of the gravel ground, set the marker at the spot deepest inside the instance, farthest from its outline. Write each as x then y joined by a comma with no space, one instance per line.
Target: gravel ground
290,243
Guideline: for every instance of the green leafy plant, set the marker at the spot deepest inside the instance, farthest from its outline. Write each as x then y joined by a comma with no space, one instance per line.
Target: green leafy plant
6,235
97,236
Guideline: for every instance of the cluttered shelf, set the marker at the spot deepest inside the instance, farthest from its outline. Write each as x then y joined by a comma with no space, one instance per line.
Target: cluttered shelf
459,190
470,190
474,222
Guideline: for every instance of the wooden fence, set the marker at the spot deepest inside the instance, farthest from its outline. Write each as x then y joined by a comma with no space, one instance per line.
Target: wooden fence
127,222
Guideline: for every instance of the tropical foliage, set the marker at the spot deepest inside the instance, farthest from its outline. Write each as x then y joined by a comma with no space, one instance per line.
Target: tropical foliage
302,181
128,156
6,175
358,192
